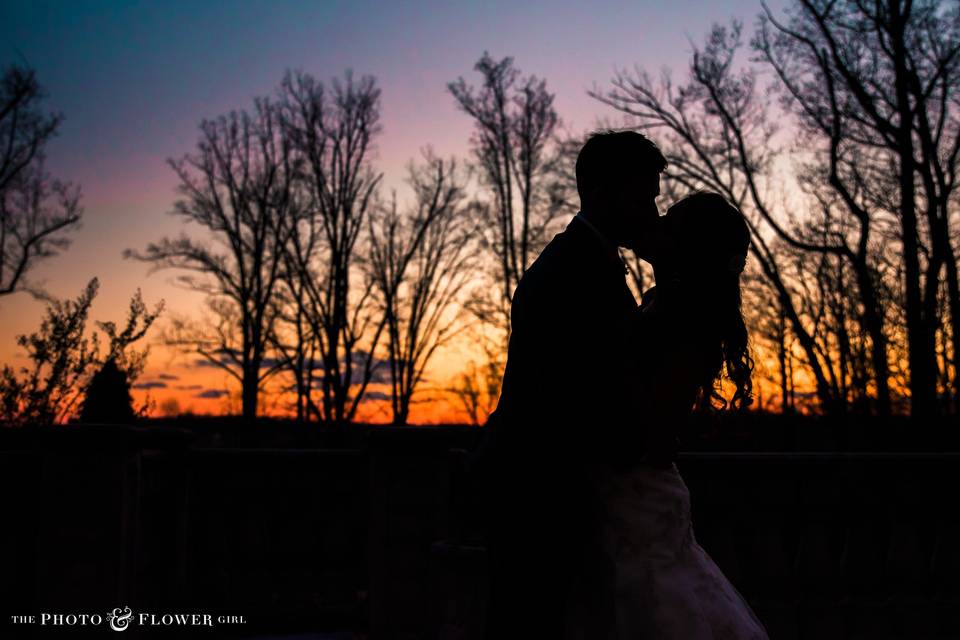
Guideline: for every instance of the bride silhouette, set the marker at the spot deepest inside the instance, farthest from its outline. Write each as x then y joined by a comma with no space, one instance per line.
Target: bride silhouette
688,334
588,526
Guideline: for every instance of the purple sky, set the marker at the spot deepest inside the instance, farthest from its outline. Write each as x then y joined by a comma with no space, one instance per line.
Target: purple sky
134,79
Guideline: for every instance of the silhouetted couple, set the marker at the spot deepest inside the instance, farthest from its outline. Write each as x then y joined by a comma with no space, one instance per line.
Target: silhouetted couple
588,521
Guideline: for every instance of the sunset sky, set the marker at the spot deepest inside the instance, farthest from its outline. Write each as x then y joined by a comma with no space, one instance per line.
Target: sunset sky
134,79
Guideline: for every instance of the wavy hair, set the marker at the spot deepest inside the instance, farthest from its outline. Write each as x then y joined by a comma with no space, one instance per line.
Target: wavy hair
711,240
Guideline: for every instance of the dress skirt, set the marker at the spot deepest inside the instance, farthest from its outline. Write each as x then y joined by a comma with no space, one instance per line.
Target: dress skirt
653,581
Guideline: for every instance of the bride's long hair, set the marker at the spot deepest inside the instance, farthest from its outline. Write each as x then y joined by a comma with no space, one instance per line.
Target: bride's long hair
711,240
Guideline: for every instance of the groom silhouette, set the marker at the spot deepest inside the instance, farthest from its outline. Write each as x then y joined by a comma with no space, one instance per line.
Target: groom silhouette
564,393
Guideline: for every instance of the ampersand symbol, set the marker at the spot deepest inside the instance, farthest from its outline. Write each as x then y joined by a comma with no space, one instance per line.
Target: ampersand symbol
119,621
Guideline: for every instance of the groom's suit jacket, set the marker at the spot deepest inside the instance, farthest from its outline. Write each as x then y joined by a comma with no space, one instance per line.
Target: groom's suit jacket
564,394
563,401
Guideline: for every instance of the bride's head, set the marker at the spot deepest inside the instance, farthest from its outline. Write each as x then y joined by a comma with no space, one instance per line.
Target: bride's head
710,239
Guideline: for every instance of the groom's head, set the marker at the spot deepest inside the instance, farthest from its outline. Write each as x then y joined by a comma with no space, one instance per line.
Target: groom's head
618,179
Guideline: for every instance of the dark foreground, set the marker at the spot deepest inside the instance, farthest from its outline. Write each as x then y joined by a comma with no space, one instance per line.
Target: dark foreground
363,533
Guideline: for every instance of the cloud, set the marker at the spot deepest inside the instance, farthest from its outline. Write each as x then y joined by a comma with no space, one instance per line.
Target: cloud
211,393
153,384
380,373
207,363
376,395
168,376
265,363
188,387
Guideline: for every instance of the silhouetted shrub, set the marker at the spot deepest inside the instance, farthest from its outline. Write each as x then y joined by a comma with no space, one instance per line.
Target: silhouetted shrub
108,399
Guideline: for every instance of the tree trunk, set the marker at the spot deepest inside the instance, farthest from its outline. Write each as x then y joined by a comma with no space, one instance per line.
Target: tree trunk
921,357
249,395
953,302
874,325
782,362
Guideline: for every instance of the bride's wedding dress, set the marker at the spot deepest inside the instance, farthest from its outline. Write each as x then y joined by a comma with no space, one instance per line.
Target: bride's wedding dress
648,578
665,586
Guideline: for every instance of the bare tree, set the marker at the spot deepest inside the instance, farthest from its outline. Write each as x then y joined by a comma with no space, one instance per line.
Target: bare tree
333,131
420,264
292,336
883,79
36,210
513,143
238,186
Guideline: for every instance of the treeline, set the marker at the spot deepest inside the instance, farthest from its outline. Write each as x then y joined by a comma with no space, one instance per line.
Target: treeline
833,126
839,139
313,273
